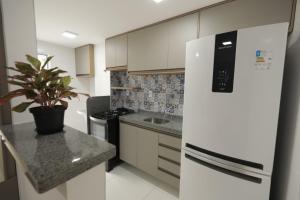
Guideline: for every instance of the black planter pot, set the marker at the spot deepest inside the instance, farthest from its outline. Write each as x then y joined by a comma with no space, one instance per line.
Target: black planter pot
48,120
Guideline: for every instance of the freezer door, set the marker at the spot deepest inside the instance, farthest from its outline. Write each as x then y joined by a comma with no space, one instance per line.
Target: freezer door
203,179
239,119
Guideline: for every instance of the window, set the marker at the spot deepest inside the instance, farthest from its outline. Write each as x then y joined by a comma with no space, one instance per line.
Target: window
42,58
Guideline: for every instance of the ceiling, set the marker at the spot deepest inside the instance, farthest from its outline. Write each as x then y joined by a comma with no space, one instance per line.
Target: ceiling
95,20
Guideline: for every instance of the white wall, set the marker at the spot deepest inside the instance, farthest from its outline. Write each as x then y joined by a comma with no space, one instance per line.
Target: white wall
20,39
287,170
102,78
64,58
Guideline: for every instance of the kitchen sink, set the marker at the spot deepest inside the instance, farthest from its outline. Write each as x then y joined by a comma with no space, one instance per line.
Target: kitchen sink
155,120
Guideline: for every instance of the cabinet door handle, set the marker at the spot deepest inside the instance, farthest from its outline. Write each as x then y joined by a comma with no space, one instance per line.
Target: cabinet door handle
169,173
169,147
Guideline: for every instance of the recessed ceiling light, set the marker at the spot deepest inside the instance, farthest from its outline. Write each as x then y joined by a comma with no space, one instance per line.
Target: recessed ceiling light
69,35
157,1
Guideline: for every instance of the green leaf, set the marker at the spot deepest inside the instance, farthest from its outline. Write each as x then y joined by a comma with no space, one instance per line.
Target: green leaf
13,82
60,71
66,80
84,94
68,94
69,88
22,107
24,68
25,85
34,61
57,72
52,69
47,60
20,77
13,69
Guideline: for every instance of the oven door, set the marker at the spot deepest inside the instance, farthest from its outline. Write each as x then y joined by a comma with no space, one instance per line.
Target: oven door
98,128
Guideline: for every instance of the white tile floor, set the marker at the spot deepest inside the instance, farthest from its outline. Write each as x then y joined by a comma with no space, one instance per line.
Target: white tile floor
127,183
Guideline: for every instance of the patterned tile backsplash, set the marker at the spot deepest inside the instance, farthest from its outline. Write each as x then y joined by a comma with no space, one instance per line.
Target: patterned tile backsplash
156,93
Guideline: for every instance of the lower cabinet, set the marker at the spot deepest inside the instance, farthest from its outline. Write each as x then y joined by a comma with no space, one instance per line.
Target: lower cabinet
138,147
154,153
147,152
128,144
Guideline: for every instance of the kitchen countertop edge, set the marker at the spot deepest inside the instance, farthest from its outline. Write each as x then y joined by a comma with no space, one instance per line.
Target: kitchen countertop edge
137,120
44,185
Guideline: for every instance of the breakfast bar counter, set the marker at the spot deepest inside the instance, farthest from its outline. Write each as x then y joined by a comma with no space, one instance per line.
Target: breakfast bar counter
57,161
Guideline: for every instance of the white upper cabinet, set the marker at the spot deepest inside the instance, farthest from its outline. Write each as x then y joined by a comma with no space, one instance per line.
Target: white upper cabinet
243,14
110,55
162,46
181,30
84,58
121,50
148,48
116,51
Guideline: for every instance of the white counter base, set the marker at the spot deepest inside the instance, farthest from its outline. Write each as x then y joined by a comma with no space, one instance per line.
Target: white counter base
91,185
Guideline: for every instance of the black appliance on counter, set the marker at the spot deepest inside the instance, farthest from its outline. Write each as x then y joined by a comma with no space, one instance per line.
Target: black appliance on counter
104,125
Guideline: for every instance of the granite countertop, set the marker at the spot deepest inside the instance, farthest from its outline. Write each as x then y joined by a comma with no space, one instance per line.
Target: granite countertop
51,160
174,127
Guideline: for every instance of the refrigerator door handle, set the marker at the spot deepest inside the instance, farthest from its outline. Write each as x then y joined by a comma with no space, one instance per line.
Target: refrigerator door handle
226,160
229,170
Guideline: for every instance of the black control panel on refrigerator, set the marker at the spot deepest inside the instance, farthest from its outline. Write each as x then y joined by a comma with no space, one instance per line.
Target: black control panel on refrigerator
224,62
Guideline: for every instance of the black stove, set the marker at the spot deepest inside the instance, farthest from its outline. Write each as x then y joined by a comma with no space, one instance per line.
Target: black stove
105,126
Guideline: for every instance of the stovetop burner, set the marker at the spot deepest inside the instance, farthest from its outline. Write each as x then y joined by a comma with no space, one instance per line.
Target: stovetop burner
123,111
112,113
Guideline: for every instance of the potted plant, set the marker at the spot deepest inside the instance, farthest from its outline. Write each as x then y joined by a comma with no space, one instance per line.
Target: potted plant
43,86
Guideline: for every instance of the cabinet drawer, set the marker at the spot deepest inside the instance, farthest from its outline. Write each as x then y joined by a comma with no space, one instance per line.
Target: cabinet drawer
170,141
169,154
169,166
167,178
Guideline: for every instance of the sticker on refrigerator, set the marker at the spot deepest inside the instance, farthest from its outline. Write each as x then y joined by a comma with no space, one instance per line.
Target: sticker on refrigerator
263,59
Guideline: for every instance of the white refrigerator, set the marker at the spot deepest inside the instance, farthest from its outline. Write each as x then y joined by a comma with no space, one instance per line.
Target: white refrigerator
231,106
